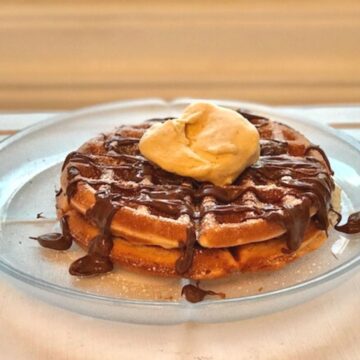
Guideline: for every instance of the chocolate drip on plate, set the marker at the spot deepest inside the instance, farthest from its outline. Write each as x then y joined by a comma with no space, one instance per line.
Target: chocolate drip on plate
56,241
40,215
91,264
352,226
194,294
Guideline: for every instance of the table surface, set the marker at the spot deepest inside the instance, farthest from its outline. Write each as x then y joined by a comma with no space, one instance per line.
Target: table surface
327,327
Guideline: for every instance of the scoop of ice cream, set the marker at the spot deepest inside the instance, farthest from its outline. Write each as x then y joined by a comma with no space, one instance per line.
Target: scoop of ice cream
207,142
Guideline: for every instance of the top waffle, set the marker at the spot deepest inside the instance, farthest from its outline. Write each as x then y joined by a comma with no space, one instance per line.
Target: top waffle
289,187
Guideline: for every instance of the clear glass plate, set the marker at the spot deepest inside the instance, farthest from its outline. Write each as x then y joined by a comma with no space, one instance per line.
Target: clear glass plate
29,174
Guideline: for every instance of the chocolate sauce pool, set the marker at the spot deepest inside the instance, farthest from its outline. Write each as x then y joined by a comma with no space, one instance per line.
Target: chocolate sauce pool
194,294
352,225
302,177
56,241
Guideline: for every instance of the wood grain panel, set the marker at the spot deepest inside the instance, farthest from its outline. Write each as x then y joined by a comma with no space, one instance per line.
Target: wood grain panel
61,55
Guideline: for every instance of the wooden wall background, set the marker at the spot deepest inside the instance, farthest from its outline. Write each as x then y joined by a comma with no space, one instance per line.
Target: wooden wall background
65,54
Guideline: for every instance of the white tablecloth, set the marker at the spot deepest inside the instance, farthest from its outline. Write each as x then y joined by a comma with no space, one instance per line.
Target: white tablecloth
327,327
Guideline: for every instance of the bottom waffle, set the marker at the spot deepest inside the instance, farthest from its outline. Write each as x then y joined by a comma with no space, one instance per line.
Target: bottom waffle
207,263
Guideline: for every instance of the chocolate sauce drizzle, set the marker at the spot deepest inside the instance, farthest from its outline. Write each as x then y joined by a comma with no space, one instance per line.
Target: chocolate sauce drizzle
305,178
184,262
194,294
322,153
98,261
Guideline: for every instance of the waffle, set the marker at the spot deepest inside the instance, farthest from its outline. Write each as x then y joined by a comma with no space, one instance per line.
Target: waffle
154,221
